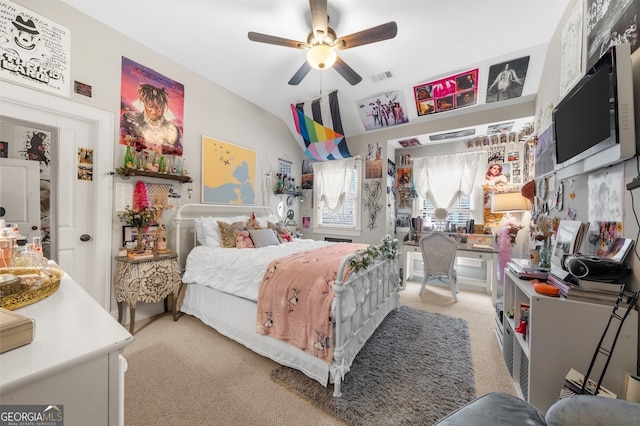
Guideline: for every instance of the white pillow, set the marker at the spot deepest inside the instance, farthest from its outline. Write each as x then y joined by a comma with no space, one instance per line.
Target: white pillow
207,232
199,230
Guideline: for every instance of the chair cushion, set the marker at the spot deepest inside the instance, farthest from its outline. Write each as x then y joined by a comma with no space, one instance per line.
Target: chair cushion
494,409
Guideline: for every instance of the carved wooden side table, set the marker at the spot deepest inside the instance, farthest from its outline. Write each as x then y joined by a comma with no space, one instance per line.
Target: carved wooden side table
148,281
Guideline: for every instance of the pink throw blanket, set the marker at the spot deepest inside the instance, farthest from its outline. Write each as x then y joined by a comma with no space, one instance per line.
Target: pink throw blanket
294,302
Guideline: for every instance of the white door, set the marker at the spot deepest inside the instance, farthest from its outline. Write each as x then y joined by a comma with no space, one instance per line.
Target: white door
75,201
20,195
84,208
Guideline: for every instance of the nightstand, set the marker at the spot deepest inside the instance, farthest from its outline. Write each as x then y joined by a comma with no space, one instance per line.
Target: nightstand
146,280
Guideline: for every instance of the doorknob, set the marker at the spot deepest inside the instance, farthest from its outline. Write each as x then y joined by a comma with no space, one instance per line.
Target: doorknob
85,237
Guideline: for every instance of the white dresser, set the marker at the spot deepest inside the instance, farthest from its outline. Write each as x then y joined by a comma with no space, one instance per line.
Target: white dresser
74,360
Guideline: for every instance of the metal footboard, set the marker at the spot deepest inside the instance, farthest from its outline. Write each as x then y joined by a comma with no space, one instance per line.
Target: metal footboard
376,291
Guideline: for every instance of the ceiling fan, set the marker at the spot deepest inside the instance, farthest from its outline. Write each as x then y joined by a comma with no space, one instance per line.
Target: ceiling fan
322,44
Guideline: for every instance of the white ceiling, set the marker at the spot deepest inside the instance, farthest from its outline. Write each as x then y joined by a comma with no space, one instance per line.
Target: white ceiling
435,38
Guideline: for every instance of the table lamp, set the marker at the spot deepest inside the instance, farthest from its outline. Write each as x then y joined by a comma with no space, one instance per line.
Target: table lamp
508,203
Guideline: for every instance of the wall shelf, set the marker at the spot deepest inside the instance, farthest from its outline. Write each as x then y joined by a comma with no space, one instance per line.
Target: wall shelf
288,192
148,173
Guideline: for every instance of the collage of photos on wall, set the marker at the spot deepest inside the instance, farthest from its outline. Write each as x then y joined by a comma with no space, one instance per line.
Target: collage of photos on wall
503,174
448,93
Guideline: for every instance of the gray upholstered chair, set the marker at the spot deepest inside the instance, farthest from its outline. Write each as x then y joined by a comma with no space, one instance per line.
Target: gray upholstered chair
502,409
439,259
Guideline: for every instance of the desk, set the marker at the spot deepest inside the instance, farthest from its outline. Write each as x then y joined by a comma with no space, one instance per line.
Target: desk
490,256
75,359
146,280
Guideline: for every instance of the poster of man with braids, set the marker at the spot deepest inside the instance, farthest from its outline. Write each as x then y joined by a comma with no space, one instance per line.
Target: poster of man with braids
151,110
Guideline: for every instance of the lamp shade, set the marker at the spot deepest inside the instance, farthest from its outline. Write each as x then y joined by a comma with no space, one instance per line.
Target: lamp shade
509,202
321,56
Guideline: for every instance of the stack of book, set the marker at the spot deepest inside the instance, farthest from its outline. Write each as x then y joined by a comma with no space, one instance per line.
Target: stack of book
525,270
590,291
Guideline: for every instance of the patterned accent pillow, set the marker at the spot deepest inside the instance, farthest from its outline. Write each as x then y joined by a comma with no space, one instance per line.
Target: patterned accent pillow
227,235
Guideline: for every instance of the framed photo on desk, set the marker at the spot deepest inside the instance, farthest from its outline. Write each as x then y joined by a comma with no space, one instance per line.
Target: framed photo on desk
568,240
130,234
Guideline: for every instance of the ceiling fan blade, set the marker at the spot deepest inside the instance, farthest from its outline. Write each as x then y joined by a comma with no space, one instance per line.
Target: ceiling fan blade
300,74
279,41
319,16
371,35
347,72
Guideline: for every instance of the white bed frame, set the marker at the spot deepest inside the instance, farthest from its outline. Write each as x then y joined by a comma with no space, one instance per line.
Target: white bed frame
378,287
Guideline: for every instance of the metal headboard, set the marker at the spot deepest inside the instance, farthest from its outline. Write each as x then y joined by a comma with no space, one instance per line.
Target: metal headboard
188,213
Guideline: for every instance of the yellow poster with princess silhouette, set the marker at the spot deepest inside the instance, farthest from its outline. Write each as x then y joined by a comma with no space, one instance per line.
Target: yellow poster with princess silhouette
228,173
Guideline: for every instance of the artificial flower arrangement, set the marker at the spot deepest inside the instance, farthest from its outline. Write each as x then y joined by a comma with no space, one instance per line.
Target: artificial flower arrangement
141,215
542,229
139,218
388,249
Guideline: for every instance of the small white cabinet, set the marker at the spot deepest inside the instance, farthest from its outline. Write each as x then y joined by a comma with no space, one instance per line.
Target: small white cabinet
74,359
562,334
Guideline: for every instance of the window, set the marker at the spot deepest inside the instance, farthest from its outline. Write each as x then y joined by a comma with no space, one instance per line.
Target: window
346,220
449,180
462,211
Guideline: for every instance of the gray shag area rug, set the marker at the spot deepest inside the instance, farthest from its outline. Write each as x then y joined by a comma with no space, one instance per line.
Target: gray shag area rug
415,369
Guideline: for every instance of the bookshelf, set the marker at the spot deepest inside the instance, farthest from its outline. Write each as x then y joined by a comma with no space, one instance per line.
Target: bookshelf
562,334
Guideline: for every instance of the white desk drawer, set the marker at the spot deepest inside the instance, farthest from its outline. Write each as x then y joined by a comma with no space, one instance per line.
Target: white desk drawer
475,254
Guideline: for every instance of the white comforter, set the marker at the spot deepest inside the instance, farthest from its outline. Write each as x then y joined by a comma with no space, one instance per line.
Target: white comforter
238,271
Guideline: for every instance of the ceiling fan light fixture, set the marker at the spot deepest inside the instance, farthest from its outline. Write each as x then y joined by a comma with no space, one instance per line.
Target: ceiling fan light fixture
321,56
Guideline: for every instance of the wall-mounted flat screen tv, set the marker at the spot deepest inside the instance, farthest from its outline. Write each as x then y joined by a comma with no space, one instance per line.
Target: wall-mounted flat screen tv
594,124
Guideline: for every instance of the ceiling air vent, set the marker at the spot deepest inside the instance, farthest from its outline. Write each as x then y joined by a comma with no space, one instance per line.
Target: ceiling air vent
382,76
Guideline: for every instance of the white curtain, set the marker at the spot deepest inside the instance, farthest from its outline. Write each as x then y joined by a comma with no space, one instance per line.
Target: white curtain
332,180
442,179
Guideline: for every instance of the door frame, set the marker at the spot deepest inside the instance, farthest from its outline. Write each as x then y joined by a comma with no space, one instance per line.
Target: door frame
23,104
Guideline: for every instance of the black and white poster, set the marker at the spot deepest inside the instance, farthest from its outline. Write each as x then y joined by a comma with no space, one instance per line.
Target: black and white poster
34,50
506,79
571,50
610,23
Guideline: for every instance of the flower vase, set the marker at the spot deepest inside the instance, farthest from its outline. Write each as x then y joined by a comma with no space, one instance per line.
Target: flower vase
139,245
545,254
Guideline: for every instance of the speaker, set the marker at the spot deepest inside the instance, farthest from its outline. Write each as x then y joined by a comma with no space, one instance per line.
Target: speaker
596,268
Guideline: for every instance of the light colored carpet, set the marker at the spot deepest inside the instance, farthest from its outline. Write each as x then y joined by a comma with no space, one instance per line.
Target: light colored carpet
185,373
414,370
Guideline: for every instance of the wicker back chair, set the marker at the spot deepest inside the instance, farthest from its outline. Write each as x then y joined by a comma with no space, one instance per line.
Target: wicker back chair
439,259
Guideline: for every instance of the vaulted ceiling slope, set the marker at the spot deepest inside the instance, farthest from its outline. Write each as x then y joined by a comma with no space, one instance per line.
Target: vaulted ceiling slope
435,38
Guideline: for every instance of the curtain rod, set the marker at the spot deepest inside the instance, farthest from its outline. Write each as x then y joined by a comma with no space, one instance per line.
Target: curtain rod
444,155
